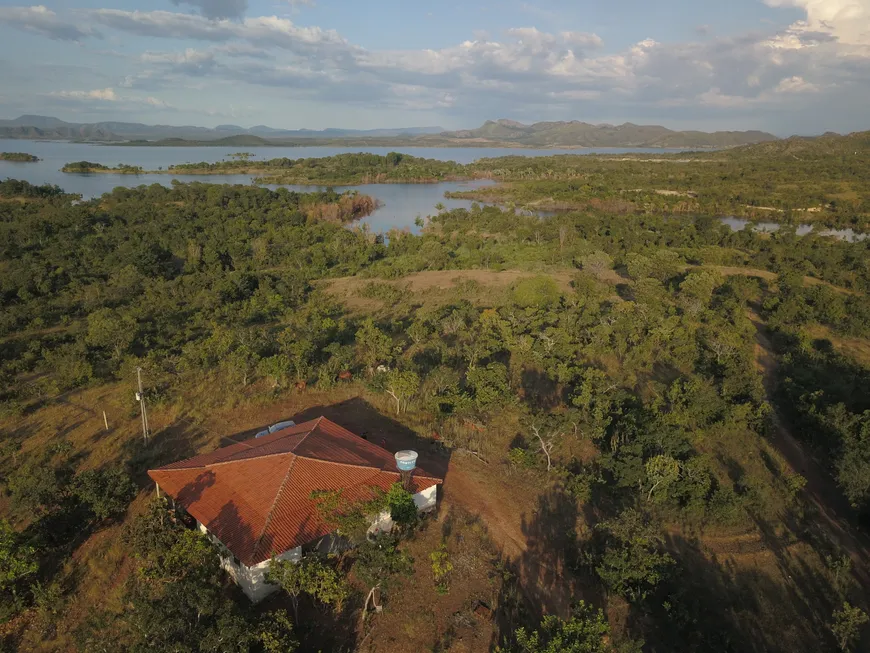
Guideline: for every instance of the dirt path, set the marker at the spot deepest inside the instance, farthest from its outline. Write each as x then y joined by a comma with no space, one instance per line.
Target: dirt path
37,332
821,489
526,527
730,271
467,487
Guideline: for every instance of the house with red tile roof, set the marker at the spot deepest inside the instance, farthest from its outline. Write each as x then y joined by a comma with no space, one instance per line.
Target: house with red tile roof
254,498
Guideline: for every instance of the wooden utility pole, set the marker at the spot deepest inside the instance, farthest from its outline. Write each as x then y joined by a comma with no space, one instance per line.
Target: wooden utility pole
141,397
106,421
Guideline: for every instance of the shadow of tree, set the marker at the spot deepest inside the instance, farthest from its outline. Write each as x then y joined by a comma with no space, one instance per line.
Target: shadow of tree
710,605
544,578
193,491
177,442
539,390
360,417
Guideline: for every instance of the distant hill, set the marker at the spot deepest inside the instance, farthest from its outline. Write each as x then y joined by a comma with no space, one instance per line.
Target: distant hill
47,127
582,134
239,140
60,133
803,147
269,132
493,133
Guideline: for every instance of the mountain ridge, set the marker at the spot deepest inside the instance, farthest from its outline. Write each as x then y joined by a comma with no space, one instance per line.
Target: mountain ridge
493,133
51,127
576,133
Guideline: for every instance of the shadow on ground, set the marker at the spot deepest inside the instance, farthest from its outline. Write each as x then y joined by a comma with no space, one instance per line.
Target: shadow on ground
360,417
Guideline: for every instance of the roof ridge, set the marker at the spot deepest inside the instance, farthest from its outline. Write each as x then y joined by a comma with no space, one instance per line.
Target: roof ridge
244,460
336,462
379,469
176,465
251,444
310,431
271,512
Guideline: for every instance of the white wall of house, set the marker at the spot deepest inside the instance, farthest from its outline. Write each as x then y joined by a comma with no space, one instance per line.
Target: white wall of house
425,501
252,579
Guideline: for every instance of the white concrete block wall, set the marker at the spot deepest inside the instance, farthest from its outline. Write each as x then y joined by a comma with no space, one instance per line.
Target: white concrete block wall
252,580
426,499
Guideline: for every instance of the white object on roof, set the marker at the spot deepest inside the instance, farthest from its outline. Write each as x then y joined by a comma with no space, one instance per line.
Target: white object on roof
280,426
276,427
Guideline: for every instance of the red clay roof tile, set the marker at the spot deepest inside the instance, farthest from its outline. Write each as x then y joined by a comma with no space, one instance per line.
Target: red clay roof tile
255,496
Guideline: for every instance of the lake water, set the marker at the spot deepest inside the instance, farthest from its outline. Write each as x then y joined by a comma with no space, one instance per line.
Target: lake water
56,153
739,224
400,203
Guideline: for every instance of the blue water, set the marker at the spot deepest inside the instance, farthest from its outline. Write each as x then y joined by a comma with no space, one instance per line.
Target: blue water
57,153
739,224
400,203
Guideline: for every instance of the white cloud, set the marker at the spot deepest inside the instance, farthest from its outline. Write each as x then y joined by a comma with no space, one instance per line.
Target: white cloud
157,103
796,84
846,20
527,68
533,72
165,24
217,8
100,94
44,21
189,55
189,62
283,33
262,31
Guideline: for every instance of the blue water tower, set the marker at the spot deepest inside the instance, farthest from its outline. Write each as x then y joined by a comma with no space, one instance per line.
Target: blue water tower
406,461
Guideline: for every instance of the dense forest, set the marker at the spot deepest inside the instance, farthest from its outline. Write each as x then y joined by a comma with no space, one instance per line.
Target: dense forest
622,382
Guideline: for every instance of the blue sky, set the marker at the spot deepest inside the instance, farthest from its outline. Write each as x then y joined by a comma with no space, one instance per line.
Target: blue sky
787,66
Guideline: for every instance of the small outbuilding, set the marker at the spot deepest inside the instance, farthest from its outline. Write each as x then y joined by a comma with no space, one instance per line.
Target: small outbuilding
254,498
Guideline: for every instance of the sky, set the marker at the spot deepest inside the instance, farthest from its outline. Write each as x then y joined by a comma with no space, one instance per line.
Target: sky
784,66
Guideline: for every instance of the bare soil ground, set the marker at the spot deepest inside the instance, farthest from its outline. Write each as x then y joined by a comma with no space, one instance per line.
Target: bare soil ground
439,282
418,617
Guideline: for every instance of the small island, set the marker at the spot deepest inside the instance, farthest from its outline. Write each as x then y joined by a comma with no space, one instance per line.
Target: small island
90,167
338,170
18,157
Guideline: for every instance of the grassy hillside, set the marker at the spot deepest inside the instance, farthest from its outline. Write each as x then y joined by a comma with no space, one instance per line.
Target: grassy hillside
849,146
